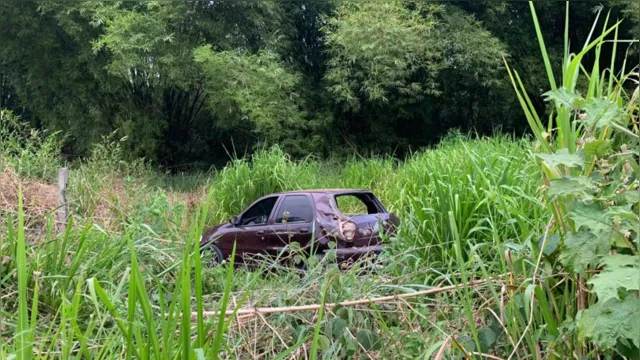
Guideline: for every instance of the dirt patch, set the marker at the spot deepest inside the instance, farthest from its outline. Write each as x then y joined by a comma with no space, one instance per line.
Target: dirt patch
105,201
38,197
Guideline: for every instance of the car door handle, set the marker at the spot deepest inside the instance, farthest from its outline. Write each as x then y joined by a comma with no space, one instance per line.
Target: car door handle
260,232
304,230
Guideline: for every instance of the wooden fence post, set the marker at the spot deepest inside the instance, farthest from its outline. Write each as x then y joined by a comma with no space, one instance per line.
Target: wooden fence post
63,207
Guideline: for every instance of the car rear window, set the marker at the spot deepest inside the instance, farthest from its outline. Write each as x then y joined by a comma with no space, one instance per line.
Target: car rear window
295,208
356,204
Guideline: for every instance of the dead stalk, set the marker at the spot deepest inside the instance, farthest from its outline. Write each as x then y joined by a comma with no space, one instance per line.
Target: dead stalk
313,307
487,356
443,348
501,322
534,280
272,329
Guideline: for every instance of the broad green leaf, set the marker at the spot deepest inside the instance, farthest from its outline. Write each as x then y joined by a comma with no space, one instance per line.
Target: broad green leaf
625,220
562,157
551,245
597,148
621,212
592,217
467,343
323,342
487,338
606,322
578,186
602,112
368,340
561,96
620,272
630,197
582,250
342,312
335,327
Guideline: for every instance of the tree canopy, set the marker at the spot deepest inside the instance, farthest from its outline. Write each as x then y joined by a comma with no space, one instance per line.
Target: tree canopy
185,82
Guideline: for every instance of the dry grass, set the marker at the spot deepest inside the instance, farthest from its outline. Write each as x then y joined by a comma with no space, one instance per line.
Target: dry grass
39,197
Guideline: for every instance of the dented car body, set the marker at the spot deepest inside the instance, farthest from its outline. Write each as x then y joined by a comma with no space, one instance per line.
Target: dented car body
312,218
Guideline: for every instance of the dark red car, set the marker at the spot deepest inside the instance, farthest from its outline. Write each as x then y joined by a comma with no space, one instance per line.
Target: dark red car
353,220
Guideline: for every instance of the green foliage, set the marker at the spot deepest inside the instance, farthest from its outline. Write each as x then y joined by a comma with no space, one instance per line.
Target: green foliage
563,97
583,250
606,323
176,81
316,78
587,186
631,10
487,191
471,53
121,274
31,153
580,186
259,85
621,273
562,157
378,49
131,34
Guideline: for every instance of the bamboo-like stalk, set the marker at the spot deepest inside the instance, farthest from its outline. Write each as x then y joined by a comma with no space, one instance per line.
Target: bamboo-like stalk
312,307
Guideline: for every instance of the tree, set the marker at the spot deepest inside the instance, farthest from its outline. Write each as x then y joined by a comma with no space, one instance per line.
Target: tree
391,63
381,51
259,86
184,81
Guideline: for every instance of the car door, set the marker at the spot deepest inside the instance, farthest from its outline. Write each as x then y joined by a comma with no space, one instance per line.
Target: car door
249,232
293,222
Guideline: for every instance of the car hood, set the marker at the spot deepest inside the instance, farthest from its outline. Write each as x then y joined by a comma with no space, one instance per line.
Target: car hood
214,232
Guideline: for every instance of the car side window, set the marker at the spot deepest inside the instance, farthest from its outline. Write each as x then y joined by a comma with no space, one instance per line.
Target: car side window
295,208
259,213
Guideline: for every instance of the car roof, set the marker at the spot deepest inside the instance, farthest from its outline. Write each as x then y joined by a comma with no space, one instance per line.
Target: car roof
330,191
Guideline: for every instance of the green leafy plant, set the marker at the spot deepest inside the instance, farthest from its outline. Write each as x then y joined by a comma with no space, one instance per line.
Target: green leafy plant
588,158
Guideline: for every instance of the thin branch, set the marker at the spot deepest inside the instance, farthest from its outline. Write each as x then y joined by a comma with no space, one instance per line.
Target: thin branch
267,310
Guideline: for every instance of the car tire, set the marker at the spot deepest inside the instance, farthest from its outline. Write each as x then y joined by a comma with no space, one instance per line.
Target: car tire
213,255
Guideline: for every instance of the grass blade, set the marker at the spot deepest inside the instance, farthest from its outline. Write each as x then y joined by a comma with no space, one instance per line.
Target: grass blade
292,348
316,331
104,297
131,303
543,48
24,335
217,341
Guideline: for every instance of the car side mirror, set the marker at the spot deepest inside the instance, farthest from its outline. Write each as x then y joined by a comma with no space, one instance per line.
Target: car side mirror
234,220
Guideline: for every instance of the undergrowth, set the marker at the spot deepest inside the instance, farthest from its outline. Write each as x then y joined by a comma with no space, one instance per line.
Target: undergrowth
124,277
124,215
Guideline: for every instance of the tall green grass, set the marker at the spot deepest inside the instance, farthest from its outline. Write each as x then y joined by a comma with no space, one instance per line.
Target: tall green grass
31,153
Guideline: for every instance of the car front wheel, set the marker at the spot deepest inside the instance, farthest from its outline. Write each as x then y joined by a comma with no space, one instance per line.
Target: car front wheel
213,256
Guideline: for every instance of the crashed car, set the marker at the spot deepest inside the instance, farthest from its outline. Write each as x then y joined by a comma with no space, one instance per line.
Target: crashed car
349,222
